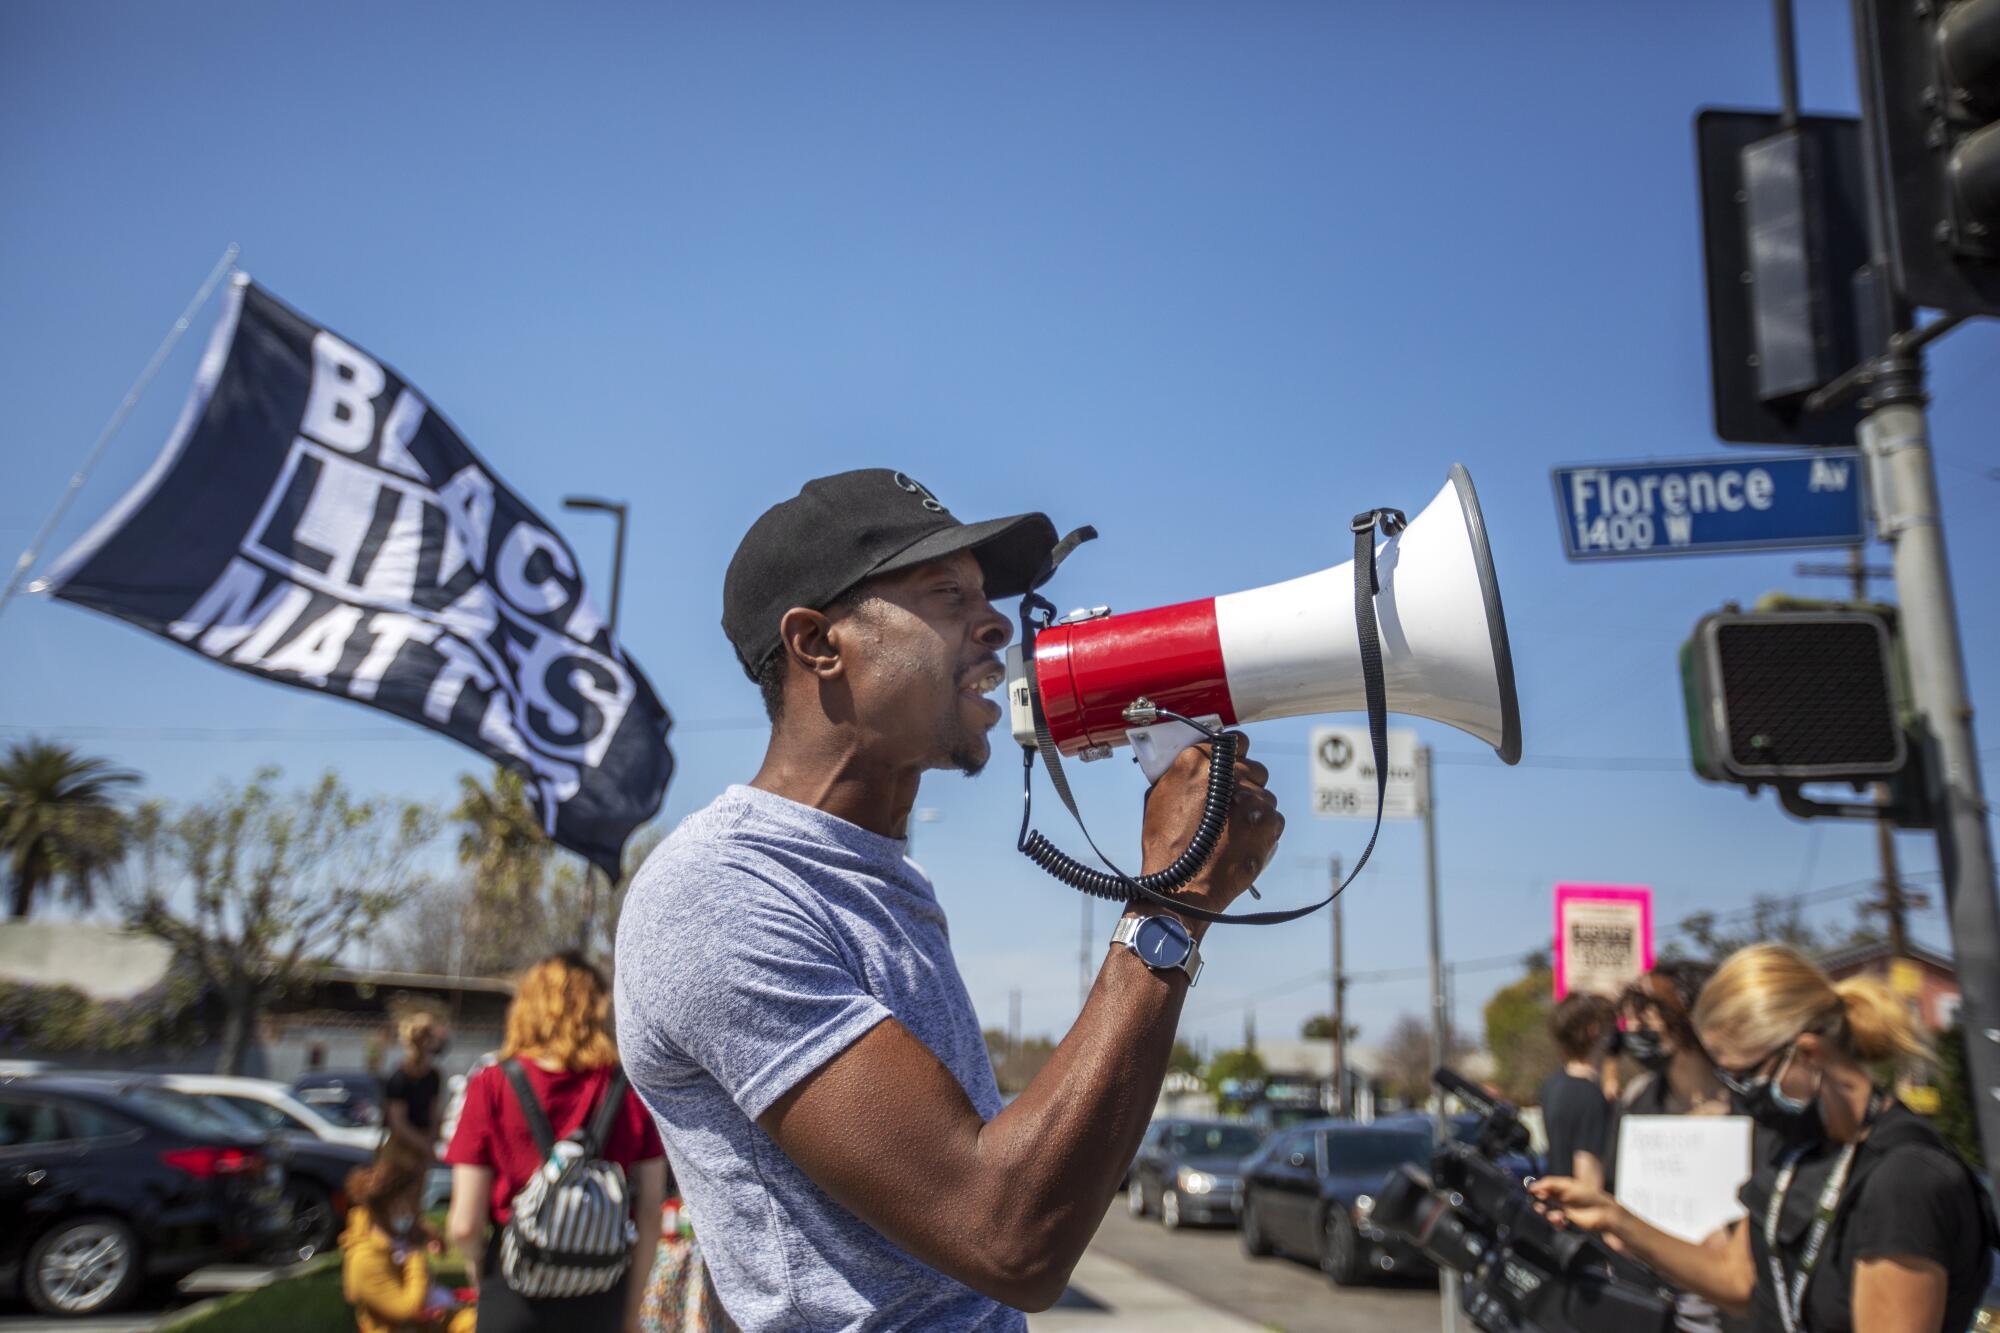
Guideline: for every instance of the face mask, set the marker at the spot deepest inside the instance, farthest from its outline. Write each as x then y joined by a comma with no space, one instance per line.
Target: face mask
1647,1047
1797,1122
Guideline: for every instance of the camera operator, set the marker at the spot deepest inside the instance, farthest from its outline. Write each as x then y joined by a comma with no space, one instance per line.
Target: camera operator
1859,1216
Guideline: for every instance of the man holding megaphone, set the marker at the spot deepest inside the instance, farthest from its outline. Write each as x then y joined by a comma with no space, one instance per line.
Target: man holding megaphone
788,1003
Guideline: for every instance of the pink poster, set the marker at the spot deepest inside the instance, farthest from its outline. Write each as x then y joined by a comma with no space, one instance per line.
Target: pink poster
1604,937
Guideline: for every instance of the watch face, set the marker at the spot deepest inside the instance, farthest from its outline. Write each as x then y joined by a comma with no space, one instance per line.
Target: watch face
1163,941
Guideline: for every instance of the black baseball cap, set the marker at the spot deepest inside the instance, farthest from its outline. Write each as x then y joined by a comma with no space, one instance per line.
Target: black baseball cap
852,526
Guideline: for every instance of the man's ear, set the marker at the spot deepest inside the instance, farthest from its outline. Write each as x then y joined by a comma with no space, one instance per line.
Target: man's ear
807,638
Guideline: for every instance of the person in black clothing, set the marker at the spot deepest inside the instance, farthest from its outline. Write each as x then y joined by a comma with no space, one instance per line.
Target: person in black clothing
1575,1113
1655,1015
1860,1217
411,1094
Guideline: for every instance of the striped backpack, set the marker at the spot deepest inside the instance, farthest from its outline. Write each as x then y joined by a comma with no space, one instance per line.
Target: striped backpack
571,1230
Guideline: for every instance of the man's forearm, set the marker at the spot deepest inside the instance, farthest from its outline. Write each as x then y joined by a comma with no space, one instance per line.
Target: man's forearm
1063,1145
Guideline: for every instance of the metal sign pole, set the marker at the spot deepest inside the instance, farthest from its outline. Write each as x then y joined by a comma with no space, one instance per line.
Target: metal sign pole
1898,443
1895,438
1340,1106
1440,1049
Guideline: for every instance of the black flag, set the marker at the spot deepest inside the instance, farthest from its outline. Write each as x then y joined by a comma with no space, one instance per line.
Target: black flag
314,521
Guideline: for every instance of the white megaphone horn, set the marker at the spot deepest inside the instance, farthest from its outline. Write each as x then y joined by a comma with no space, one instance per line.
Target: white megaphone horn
1290,649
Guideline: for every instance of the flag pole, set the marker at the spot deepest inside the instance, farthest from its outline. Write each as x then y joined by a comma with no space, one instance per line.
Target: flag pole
27,560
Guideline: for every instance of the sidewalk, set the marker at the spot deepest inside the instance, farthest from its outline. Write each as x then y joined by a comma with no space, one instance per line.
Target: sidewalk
1107,1296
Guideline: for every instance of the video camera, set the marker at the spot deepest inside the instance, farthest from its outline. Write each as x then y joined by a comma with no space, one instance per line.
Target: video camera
1521,1273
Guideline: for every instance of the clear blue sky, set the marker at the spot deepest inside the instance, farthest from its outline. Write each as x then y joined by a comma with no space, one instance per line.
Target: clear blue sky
1209,277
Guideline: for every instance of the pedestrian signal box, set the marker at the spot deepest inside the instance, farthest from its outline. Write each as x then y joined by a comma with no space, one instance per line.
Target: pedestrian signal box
1793,696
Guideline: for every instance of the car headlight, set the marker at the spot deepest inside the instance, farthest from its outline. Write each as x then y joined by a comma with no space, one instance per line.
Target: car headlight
1196,1182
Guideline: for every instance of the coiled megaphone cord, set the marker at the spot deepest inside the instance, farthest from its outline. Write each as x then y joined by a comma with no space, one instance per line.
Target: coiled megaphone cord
1116,884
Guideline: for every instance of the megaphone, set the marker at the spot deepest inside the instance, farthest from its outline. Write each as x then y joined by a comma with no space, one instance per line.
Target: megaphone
1288,649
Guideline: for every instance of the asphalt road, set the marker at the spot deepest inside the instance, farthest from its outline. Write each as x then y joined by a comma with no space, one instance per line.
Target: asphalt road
1208,1265
155,1306
1278,1293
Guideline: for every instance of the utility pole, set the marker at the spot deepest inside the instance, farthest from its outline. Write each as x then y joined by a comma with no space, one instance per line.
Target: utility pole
1339,1008
1894,902
1448,1278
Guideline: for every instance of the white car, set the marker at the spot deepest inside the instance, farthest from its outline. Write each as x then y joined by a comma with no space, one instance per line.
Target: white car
273,1106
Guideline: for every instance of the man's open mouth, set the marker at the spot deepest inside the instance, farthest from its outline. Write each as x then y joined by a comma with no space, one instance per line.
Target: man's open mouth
984,680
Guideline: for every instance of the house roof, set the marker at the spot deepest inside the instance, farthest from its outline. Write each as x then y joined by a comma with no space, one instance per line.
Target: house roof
359,976
1860,955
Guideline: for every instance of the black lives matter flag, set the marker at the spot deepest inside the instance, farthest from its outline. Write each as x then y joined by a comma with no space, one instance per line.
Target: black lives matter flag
314,521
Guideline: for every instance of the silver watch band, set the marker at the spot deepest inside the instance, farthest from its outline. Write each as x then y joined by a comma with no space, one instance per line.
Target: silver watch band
1127,931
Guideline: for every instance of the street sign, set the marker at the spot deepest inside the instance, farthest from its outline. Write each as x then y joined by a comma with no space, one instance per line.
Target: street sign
1343,774
1604,937
1710,505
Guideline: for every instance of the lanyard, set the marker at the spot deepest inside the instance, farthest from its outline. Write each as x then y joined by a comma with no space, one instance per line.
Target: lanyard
1791,1295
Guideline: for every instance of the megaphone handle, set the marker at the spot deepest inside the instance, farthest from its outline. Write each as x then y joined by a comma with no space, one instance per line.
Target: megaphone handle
1156,887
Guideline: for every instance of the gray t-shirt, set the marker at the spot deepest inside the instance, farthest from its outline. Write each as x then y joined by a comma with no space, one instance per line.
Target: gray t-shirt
758,942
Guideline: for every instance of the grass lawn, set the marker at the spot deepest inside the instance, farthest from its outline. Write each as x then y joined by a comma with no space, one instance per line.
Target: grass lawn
309,1301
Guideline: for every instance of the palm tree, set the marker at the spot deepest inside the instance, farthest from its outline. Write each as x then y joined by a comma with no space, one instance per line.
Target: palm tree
500,835
59,821
501,842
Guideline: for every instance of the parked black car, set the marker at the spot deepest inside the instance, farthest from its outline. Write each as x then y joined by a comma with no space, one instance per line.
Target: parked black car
1191,1171
1463,1127
1308,1191
346,1097
106,1182
315,1178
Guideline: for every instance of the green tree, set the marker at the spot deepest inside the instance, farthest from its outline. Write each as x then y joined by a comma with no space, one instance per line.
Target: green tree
500,837
1517,1034
1183,1060
258,889
60,822
1955,1119
1770,920
504,906
1242,1066
1320,1028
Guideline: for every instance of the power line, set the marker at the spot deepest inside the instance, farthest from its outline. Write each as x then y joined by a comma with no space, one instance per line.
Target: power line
1320,977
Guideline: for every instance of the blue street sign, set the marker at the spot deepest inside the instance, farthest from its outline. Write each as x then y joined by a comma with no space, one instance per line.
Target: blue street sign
1705,506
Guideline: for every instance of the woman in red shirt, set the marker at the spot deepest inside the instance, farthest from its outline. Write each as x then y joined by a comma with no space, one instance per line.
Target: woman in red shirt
558,1029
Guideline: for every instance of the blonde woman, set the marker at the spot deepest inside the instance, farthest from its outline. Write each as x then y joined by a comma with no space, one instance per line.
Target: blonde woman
1859,1216
559,1036
410,1097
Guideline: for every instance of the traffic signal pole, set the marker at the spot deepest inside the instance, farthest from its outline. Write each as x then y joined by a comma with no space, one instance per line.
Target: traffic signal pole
1896,440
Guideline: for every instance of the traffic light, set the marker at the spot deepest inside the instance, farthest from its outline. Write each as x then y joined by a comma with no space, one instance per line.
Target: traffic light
1788,697
1931,91
1784,231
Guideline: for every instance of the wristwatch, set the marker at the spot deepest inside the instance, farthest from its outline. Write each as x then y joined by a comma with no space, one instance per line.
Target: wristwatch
1161,942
